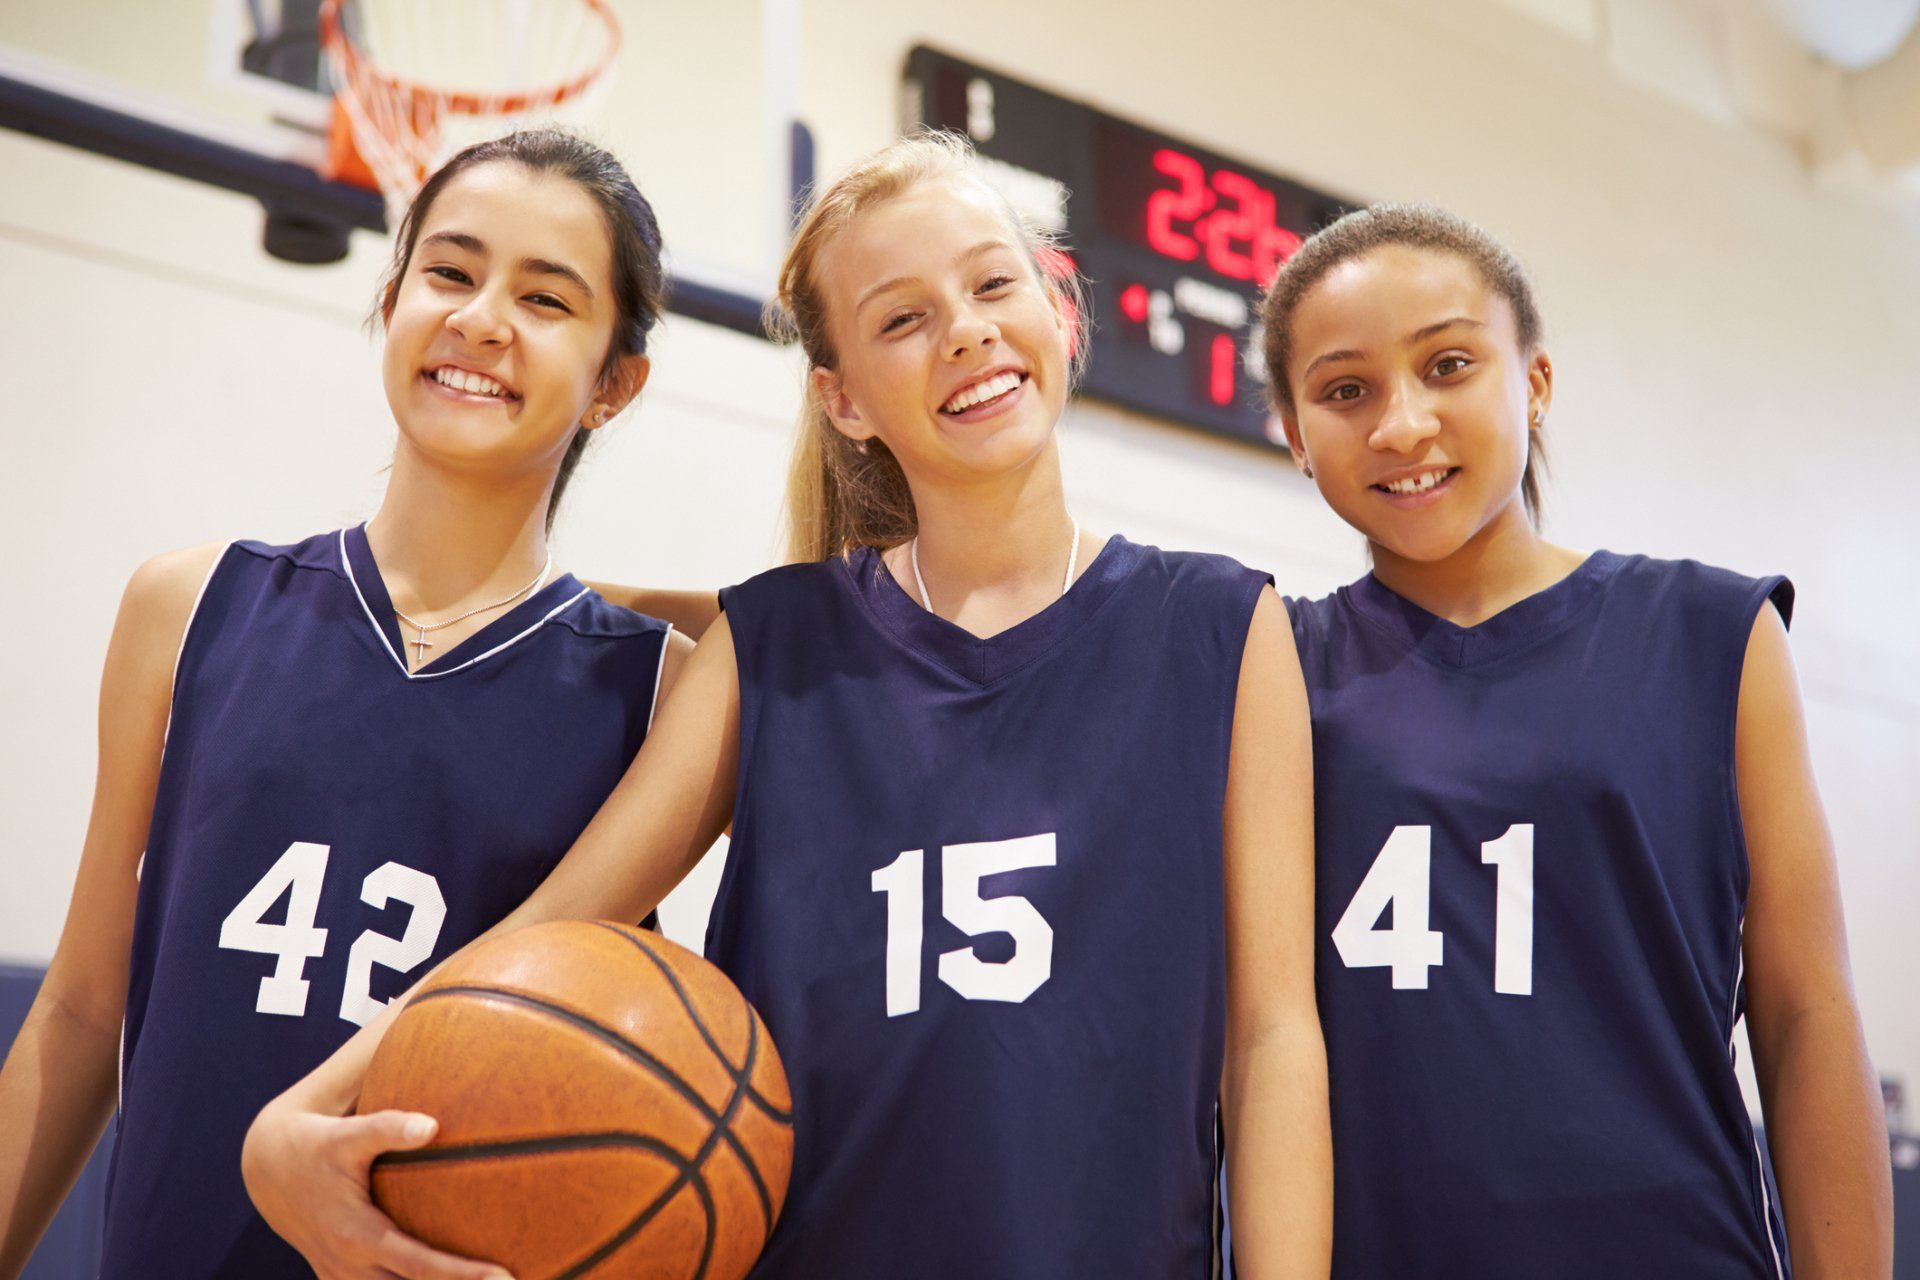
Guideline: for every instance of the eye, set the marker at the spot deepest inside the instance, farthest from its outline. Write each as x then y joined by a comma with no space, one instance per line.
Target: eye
548,300
1448,365
994,282
1342,392
455,274
898,320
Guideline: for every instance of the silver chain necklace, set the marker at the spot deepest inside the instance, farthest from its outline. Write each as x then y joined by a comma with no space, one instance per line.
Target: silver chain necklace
1073,558
421,644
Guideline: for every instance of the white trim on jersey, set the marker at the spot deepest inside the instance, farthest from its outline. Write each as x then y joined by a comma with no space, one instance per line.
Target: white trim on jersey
346,562
1759,1163
653,708
198,596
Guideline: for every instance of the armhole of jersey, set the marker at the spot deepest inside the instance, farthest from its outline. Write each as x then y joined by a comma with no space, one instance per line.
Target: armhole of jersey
1768,1213
186,636
1780,595
140,865
1242,615
1778,592
659,670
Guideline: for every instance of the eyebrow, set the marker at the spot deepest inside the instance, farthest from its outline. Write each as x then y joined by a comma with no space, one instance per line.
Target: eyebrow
985,246
1418,335
536,266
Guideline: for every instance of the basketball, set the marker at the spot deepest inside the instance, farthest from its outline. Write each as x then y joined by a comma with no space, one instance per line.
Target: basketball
609,1105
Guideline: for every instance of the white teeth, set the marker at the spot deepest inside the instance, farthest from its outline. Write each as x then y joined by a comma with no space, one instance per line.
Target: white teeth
473,383
980,392
1417,484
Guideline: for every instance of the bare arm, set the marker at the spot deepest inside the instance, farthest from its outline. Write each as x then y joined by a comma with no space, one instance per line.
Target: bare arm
306,1169
57,1088
689,611
672,664
1274,1087
1824,1121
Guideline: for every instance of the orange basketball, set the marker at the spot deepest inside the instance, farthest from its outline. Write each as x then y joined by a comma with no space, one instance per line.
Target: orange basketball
609,1105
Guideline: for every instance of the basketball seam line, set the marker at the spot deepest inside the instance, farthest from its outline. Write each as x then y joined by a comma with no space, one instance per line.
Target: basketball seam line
742,1077
694,1174
627,1047
721,1124
561,1143
648,1060
580,1142
686,1002
689,1175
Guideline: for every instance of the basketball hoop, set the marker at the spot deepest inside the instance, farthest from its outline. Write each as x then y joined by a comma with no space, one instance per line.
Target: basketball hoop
418,80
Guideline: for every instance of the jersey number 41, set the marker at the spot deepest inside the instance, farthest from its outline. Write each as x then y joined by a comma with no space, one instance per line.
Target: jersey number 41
1401,877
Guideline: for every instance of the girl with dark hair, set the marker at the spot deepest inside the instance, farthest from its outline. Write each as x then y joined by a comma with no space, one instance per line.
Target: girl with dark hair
1020,875
324,766
1566,826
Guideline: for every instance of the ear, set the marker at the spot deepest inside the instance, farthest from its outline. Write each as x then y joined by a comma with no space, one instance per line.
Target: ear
1296,447
840,409
617,390
1064,311
1539,389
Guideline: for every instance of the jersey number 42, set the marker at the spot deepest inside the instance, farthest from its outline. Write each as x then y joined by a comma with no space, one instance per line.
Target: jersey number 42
297,875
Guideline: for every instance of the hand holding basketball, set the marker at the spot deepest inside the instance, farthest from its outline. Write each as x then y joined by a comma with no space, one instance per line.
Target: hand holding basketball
307,1173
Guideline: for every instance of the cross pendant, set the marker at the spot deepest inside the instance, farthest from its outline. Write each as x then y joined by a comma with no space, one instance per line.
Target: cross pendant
420,648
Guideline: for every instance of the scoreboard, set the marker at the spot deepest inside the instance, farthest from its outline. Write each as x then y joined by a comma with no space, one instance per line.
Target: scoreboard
1174,242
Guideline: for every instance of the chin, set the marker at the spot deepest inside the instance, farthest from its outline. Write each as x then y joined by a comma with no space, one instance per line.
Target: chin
1006,448
1419,545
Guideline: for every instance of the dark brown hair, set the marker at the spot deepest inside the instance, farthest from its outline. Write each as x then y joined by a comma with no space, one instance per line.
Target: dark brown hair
639,281
1418,227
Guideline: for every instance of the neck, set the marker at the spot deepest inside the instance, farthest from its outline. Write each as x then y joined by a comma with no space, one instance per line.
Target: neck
443,538
1004,536
1502,564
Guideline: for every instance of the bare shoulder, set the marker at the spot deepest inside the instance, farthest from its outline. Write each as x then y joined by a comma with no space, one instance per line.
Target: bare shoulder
159,600
1769,688
1270,646
689,611
680,647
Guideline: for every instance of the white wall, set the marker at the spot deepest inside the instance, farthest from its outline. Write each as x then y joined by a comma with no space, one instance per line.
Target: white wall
1737,353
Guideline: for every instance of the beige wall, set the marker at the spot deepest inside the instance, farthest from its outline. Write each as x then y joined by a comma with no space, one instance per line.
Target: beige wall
1736,346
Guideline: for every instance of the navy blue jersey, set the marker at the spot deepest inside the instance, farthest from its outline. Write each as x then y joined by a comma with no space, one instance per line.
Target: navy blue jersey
327,827
1531,885
975,889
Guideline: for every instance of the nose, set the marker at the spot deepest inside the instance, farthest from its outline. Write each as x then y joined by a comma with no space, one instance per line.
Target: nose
971,330
1407,421
481,320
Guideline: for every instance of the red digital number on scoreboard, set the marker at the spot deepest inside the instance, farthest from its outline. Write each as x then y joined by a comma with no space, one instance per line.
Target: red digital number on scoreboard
1224,218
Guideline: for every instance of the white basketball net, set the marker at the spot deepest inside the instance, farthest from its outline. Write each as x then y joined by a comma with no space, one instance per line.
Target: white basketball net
422,79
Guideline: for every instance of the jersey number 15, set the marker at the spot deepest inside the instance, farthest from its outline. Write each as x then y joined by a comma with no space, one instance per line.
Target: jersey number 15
962,866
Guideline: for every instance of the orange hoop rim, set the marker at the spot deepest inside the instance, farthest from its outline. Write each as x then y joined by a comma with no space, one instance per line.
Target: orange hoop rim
333,37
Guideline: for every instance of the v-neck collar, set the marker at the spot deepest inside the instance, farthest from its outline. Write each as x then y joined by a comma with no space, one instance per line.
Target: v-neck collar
517,623
983,661
1519,625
